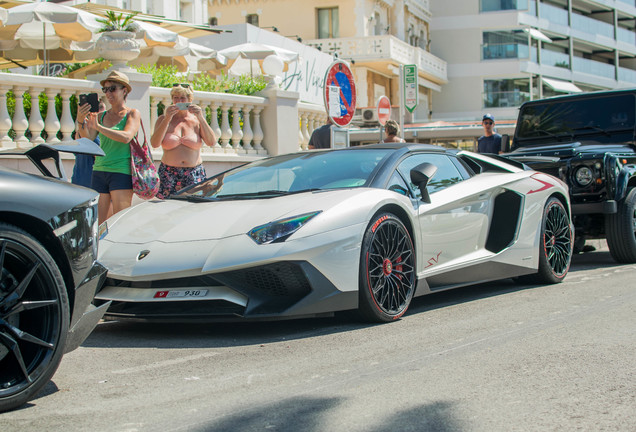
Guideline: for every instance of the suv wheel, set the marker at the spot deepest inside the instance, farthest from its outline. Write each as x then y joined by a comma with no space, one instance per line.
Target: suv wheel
620,228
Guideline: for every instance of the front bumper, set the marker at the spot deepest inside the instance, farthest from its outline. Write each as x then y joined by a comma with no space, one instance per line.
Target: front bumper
272,291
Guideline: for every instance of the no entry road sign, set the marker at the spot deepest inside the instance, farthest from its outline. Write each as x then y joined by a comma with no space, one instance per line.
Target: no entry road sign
384,110
340,93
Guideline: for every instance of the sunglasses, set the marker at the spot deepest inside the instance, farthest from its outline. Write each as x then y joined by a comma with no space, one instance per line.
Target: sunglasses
184,85
488,123
110,89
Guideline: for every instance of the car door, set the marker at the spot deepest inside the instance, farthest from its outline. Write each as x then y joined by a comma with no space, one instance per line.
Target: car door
453,227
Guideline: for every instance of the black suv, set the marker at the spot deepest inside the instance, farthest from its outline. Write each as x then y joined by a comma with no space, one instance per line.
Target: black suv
587,140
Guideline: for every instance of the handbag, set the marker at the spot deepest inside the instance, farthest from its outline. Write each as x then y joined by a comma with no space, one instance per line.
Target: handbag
145,178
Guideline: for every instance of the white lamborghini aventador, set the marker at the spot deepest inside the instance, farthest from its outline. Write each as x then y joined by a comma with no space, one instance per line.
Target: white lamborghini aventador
311,233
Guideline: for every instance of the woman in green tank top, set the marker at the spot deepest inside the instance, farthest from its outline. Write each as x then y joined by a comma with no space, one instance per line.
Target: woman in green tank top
116,128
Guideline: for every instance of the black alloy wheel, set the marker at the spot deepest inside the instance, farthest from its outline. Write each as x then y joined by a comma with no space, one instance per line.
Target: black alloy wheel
387,270
34,317
556,247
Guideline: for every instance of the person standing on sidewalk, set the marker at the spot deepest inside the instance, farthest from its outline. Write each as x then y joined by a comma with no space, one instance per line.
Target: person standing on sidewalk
489,142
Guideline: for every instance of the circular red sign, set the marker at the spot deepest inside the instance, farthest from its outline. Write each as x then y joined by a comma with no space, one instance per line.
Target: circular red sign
384,110
340,93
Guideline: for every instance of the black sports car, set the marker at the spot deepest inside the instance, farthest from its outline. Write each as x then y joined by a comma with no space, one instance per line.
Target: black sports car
48,270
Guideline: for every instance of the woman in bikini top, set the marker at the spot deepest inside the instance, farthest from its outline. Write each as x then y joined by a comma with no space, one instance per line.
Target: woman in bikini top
181,132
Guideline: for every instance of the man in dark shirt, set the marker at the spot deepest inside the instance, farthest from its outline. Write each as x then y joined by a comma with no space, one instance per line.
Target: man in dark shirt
321,137
490,142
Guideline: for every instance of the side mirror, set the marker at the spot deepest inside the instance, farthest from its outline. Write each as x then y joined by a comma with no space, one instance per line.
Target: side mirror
420,176
505,143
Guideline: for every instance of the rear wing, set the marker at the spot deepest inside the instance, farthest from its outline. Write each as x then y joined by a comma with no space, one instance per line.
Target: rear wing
45,151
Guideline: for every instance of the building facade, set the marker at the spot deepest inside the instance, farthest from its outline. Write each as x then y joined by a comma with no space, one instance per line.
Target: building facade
375,36
501,53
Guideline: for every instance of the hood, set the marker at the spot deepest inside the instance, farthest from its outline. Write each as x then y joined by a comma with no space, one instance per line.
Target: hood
38,196
172,221
566,151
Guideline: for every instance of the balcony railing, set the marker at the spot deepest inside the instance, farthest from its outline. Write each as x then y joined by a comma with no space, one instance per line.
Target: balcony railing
590,25
503,5
592,67
505,51
553,58
505,99
384,48
625,35
628,75
554,14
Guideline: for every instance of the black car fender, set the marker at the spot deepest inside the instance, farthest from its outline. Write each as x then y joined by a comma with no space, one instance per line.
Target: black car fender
625,179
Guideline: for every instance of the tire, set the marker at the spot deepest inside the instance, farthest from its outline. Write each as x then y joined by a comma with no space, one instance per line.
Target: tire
34,317
556,246
620,228
387,270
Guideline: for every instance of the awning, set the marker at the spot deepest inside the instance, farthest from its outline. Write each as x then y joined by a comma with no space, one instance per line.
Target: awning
561,86
536,34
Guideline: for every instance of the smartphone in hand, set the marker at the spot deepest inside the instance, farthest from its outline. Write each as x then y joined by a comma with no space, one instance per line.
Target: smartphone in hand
90,98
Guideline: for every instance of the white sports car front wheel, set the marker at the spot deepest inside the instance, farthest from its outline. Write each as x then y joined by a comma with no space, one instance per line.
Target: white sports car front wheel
387,270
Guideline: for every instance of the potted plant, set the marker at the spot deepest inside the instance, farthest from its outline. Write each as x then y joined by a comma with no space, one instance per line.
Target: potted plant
117,42
117,22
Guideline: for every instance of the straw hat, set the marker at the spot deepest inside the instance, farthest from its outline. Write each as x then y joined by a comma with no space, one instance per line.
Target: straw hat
118,77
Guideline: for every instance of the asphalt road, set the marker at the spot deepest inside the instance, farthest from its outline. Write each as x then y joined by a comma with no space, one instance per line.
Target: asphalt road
493,357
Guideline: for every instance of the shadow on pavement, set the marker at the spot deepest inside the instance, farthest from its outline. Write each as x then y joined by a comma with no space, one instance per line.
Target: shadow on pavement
308,414
193,335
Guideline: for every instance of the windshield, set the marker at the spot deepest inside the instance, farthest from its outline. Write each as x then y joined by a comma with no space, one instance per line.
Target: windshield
568,120
292,173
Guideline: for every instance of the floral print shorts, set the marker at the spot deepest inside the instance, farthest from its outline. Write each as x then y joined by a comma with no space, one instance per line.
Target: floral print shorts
173,179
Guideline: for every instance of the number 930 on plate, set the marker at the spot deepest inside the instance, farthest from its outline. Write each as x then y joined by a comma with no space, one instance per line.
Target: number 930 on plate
181,293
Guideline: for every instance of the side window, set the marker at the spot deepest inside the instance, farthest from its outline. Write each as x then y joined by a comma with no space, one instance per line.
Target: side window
447,173
397,184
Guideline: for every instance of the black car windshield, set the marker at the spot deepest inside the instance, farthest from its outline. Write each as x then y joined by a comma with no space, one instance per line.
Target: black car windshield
291,173
607,118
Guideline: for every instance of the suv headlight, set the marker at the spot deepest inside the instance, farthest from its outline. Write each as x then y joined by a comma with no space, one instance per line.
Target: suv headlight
583,176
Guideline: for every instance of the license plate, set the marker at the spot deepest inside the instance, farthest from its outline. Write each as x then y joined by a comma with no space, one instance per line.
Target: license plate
180,293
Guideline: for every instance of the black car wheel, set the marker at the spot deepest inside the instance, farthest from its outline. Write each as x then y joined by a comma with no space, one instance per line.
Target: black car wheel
34,317
620,228
387,270
556,247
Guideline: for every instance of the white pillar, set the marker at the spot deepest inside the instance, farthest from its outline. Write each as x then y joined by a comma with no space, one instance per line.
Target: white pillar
281,134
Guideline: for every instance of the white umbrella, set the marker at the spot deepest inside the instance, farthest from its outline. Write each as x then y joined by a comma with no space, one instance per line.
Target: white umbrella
149,36
45,26
248,58
153,35
183,54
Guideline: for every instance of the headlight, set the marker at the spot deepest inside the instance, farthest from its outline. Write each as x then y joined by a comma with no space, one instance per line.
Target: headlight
583,176
280,230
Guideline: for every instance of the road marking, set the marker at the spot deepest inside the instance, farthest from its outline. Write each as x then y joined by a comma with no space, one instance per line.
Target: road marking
162,364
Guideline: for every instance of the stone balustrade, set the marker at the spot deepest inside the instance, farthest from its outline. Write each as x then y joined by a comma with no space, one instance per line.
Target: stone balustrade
247,127
311,117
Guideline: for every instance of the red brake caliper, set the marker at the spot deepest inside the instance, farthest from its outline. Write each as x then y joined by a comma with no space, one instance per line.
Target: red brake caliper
398,267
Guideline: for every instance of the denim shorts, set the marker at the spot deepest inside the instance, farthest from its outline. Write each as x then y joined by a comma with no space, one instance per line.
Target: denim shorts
105,182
